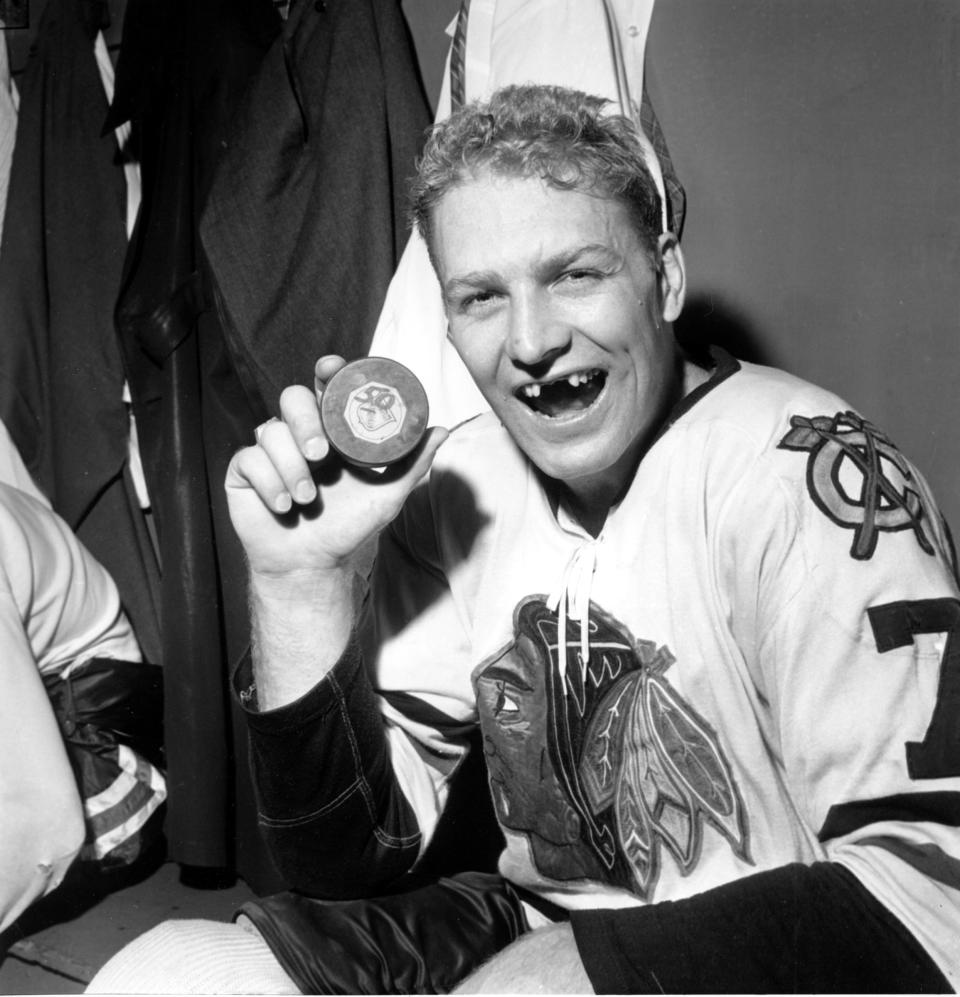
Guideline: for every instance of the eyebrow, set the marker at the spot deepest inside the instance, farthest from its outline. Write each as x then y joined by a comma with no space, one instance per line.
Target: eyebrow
560,261
468,282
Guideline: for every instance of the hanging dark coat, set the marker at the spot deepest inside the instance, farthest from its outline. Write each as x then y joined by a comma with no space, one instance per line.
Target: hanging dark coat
306,218
64,240
182,69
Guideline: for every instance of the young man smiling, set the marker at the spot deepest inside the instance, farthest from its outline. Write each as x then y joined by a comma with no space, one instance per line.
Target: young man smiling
701,613
561,311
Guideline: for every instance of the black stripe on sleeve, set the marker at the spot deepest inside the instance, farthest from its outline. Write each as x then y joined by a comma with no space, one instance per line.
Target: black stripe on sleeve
937,808
796,929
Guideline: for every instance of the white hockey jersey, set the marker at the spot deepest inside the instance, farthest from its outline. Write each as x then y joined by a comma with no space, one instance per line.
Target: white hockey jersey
756,662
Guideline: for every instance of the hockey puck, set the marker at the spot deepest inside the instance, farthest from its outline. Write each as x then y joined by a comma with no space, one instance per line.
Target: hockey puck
374,411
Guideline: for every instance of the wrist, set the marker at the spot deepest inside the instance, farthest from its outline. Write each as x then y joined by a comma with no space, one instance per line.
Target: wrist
311,587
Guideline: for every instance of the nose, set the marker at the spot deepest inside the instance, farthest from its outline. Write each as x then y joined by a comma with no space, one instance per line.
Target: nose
536,334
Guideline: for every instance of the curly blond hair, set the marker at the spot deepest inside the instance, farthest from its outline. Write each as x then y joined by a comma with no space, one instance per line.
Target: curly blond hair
563,136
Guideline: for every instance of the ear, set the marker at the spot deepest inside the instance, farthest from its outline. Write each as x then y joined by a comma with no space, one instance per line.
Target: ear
673,276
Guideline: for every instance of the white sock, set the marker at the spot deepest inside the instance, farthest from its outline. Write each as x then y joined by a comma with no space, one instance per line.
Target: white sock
195,957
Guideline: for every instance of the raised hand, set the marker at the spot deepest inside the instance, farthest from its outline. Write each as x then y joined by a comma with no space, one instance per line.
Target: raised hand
296,506
305,519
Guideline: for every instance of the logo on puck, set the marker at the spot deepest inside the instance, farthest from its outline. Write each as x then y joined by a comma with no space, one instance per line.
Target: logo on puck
375,412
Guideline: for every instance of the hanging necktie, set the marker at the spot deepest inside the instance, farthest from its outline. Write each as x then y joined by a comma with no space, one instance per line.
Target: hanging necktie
458,59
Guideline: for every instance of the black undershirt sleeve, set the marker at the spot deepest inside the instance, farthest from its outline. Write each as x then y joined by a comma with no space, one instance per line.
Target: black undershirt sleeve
797,929
329,805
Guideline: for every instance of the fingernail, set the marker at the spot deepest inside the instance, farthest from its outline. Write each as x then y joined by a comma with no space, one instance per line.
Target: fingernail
283,502
304,490
314,448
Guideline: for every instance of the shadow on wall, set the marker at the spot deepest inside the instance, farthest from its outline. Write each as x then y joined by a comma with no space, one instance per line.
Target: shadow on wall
709,320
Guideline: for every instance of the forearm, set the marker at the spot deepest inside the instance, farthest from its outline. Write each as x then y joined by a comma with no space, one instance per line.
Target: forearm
41,840
300,625
306,521
42,815
800,929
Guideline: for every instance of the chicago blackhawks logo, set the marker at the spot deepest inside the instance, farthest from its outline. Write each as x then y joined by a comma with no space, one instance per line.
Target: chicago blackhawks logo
859,479
607,768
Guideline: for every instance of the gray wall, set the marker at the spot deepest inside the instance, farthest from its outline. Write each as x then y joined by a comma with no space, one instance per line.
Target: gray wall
819,143
820,146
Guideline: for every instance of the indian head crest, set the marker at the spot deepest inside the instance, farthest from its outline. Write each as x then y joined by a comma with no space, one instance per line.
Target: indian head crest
604,766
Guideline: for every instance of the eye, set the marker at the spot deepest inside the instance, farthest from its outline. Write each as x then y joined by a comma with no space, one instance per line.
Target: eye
579,277
477,301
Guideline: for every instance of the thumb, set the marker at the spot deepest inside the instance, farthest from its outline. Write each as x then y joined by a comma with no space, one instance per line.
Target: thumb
424,454
416,464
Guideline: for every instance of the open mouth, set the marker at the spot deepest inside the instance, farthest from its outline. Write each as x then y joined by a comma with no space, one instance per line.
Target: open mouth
564,396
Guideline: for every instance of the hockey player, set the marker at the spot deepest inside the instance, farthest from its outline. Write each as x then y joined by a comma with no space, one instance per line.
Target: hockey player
704,614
